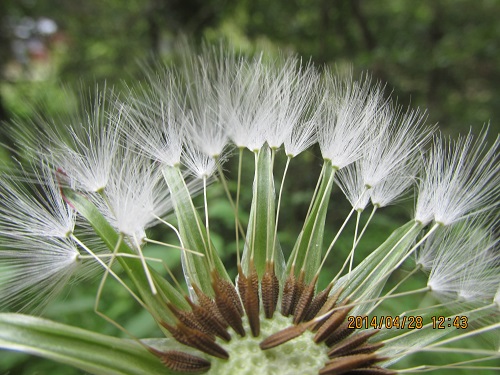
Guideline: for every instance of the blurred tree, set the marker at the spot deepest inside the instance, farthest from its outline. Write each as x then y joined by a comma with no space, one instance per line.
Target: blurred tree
438,54
4,52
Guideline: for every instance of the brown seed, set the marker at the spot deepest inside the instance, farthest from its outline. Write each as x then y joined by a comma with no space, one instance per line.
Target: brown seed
367,348
226,304
175,332
184,362
300,288
330,303
228,288
283,336
292,291
340,334
342,365
269,290
317,303
242,284
344,347
188,318
210,323
252,300
304,301
202,341
196,339
235,297
289,294
332,323
208,304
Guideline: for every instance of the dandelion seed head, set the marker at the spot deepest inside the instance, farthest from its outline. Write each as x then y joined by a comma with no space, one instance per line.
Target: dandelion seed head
35,270
247,107
351,183
134,196
460,179
398,139
35,208
156,118
463,261
271,319
347,117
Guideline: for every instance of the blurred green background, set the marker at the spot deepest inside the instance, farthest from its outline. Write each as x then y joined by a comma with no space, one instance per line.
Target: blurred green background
443,55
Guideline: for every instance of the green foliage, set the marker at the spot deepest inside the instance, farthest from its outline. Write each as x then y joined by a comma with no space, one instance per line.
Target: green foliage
82,349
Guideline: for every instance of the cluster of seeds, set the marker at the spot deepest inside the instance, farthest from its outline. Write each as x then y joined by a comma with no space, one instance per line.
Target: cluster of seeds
320,313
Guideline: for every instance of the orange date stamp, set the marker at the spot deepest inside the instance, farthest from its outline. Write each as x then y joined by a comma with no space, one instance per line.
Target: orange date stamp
406,322
443,322
378,322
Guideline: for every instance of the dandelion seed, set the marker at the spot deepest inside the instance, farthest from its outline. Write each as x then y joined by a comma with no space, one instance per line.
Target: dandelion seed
34,271
397,140
352,184
34,209
247,106
87,157
134,196
461,179
471,273
155,117
290,90
205,118
302,137
349,111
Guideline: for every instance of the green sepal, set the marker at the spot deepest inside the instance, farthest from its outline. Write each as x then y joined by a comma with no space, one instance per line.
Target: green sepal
86,350
193,234
311,235
132,266
260,231
367,280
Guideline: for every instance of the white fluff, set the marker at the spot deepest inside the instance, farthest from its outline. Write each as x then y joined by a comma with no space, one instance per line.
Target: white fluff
463,261
247,107
34,270
347,118
461,179
351,183
34,209
155,118
290,89
135,195
397,139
